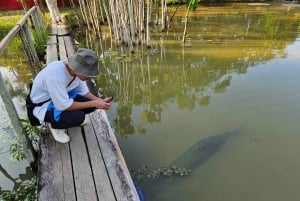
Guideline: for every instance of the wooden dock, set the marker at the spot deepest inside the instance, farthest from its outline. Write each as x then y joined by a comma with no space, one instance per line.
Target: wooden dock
89,168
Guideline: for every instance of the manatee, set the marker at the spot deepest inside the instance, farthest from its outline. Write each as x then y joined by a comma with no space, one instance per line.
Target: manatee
202,150
190,159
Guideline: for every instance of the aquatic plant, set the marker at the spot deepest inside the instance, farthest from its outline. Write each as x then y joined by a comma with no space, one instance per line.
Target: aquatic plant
173,171
32,134
16,152
26,191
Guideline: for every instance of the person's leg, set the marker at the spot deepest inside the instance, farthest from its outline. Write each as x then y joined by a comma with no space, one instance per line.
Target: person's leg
67,119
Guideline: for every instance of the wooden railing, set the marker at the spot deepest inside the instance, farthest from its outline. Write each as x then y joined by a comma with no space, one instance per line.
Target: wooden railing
32,19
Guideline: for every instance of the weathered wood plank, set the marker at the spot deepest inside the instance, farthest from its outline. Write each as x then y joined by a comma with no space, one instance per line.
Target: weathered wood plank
62,30
115,164
62,49
70,45
102,182
67,171
50,187
51,53
52,30
83,177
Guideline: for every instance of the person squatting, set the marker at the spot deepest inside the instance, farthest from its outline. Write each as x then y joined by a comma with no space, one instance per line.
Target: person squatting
62,90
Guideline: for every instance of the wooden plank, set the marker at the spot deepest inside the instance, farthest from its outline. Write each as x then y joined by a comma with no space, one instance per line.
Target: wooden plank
63,30
70,45
51,53
50,182
83,177
62,49
102,182
67,171
52,40
115,164
52,29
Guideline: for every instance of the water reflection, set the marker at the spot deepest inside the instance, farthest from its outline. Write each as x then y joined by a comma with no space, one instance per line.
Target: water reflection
221,43
12,174
238,67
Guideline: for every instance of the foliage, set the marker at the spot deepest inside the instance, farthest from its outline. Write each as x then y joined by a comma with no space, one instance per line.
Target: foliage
15,149
26,192
192,4
40,39
16,152
32,134
7,23
159,172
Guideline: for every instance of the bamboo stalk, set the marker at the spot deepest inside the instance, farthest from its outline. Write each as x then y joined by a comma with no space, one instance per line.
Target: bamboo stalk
148,40
131,20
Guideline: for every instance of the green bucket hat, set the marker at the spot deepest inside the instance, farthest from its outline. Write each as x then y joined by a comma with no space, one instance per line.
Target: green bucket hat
85,62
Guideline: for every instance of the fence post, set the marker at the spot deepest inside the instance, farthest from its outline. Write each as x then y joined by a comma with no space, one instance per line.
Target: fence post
30,50
14,118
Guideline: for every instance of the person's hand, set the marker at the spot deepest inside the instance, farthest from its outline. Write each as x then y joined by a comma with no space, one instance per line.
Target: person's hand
108,99
102,104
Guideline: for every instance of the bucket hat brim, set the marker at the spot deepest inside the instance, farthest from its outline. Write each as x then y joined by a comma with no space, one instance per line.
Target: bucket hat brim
85,62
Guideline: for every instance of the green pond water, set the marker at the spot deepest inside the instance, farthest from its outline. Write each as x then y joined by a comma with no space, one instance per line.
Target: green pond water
224,105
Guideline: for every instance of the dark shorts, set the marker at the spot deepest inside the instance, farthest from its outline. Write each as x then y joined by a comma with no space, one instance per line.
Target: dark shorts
69,119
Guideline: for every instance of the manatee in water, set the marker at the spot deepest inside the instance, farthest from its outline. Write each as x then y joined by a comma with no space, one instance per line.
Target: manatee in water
202,150
190,159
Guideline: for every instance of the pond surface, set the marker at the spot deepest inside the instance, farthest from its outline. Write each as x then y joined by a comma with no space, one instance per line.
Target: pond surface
237,78
12,173
225,105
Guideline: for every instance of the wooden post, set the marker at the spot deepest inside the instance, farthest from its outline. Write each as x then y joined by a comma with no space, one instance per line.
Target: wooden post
29,49
14,118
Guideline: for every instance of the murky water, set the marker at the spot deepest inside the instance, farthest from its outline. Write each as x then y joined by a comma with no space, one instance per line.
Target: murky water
12,173
238,73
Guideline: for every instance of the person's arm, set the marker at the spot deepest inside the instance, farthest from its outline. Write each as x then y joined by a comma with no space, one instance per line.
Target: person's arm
91,96
97,103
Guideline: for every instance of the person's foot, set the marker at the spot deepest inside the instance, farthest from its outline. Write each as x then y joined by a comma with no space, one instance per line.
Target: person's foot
85,122
59,135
